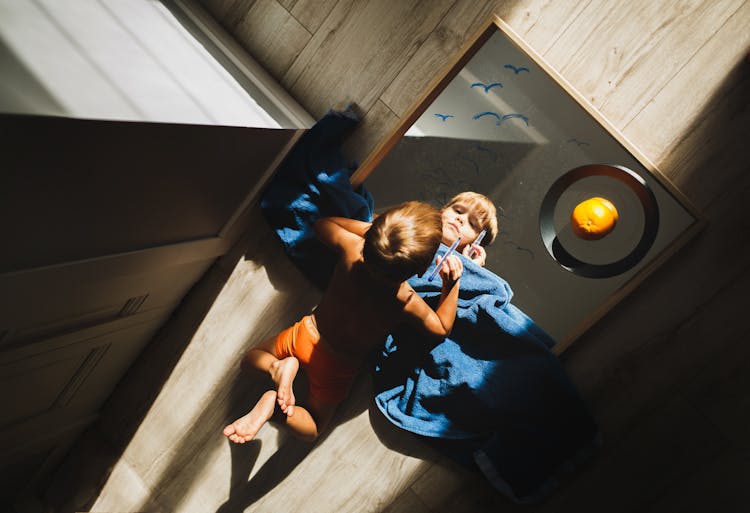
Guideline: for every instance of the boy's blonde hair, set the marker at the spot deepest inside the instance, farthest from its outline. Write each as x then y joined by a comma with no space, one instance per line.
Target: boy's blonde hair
481,207
403,240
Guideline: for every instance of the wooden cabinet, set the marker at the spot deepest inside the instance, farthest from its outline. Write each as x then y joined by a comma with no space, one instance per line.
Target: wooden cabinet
106,226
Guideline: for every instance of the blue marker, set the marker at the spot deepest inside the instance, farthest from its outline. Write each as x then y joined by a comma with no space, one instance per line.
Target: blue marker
478,240
440,263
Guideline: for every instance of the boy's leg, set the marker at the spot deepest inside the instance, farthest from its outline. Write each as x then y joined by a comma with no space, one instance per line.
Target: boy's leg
282,371
308,422
302,423
246,427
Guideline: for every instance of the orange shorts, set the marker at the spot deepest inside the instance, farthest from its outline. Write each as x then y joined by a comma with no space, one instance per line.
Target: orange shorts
330,377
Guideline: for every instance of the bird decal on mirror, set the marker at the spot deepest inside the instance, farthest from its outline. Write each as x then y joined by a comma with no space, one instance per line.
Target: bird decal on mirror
487,87
444,117
518,69
501,118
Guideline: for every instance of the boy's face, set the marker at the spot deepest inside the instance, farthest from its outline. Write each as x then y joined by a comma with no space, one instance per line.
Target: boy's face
459,221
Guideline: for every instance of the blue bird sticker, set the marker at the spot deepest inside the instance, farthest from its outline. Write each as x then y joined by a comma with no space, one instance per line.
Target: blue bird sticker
518,69
500,118
487,87
488,113
578,142
444,117
517,116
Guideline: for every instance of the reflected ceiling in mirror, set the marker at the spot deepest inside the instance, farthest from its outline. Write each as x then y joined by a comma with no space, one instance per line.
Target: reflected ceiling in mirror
502,122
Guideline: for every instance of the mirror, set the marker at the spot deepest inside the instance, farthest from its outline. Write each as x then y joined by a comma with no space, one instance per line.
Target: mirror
502,122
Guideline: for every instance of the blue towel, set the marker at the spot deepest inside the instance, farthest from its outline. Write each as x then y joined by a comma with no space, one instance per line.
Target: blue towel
494,383
492,395
313,182
493,345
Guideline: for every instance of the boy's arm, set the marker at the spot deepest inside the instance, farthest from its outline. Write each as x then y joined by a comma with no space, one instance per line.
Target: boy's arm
351,225
438,322
339,232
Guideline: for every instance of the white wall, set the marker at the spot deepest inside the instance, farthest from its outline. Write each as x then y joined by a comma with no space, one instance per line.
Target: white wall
138,60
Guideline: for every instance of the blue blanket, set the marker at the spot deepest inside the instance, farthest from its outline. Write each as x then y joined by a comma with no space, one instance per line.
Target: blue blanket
493,346
493,382
313,182
492,395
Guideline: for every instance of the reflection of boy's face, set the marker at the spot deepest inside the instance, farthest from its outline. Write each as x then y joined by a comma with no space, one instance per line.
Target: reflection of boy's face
459,221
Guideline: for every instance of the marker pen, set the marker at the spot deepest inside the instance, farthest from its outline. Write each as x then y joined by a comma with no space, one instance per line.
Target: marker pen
440,263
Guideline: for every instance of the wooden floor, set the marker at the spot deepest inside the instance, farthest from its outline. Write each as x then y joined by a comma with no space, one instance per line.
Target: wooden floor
666,372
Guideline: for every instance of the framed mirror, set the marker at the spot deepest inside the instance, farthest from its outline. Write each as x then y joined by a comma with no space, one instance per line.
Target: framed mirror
502,122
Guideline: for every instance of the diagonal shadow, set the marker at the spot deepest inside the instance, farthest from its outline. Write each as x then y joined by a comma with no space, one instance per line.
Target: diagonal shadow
85,471
22,92
235,394
291,452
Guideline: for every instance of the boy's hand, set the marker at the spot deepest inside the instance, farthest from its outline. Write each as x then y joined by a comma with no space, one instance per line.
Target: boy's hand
451,270
475,253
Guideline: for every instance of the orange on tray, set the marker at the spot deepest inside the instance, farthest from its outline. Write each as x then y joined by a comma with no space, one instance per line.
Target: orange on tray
593,218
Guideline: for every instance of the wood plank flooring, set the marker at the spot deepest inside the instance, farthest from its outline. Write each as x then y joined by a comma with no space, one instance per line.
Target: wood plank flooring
664,372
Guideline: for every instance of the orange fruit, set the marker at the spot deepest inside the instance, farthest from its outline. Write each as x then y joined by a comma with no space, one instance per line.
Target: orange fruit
593,218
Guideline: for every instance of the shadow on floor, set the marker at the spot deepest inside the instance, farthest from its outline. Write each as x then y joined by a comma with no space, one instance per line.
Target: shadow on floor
290,453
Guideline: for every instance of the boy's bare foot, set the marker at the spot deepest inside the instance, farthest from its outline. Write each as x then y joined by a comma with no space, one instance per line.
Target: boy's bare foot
283,373
245,428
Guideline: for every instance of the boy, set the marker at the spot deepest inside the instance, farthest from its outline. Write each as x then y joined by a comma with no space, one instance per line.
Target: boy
467,214
366,299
